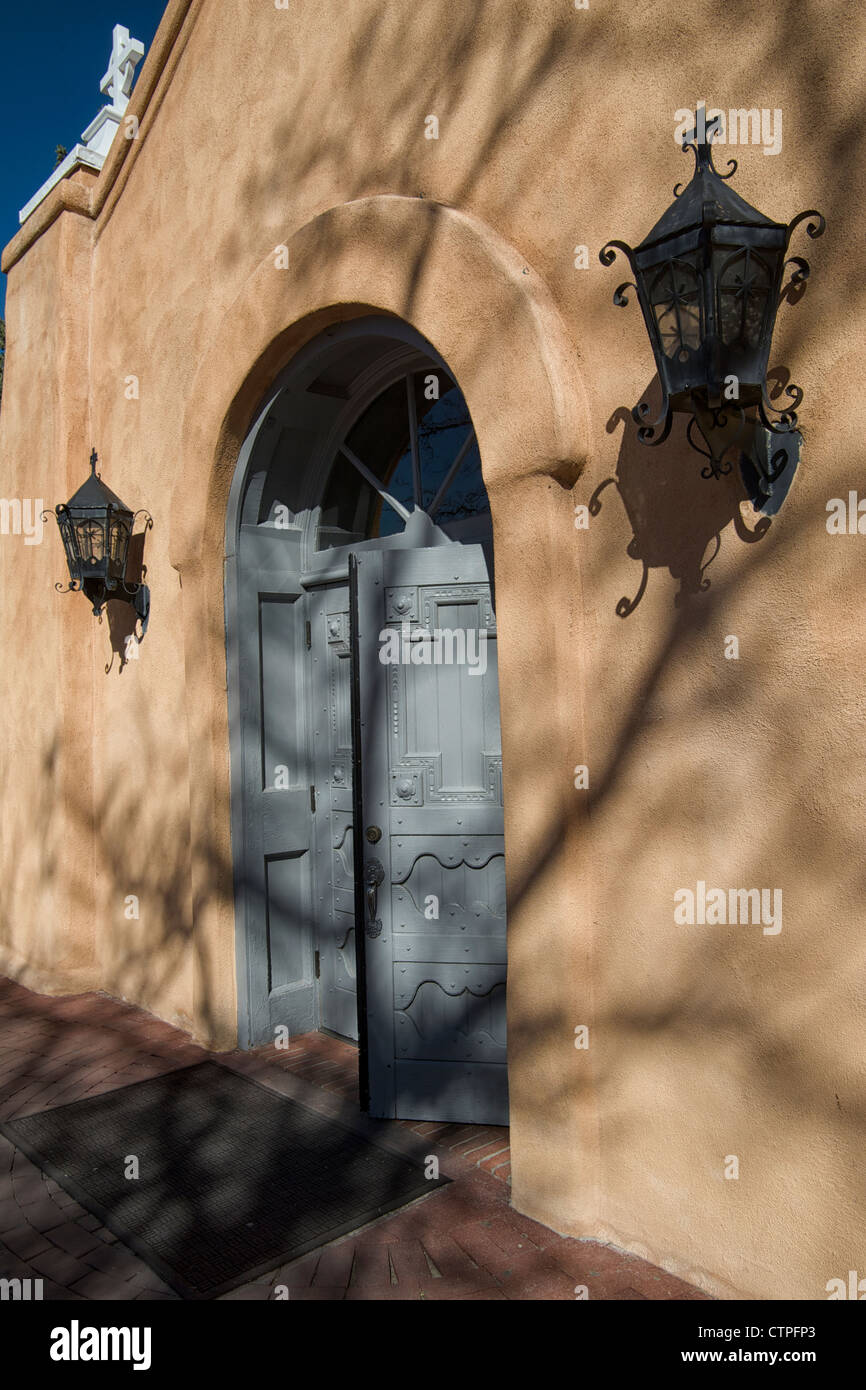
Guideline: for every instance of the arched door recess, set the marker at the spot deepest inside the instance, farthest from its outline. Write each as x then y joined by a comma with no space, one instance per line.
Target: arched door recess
364,697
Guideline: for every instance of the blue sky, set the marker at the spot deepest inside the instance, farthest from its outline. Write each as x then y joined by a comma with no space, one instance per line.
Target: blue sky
52,56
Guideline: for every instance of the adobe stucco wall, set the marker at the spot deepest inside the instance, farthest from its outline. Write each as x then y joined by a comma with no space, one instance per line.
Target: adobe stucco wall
556,130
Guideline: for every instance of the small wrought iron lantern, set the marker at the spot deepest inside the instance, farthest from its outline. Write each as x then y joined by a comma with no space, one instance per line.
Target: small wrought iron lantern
96,528
708,278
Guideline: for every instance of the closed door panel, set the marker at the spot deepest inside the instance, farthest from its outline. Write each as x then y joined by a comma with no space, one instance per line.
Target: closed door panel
434,904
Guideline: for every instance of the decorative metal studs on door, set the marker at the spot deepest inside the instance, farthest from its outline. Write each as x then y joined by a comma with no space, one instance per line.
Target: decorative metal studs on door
96,529
709,281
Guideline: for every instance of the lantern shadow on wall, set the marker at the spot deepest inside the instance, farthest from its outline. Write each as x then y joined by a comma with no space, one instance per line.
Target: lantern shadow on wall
127,621
657,499
104,556
708,277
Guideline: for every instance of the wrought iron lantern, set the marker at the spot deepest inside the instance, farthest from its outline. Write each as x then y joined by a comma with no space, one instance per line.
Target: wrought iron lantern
96,529
708,278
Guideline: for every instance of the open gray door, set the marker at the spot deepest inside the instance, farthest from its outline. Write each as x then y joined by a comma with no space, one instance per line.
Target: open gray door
431,855
274,863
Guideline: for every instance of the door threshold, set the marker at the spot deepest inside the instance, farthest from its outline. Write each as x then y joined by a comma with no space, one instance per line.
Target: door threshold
340,1037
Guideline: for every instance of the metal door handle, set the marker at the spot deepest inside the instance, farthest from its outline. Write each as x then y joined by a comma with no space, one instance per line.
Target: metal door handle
373,876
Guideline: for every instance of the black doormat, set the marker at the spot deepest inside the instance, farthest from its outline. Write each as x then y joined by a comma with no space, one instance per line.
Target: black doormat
233,1178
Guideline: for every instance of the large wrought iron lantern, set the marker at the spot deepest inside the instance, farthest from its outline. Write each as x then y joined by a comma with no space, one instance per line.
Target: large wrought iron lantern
708,278
96,528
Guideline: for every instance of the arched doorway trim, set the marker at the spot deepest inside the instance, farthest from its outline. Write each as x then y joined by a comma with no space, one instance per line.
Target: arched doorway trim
445,272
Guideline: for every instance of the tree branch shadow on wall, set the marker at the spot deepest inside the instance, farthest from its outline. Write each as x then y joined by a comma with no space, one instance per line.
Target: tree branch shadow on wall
680,525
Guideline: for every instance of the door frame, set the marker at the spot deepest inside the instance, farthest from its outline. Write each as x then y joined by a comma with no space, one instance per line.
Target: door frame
316,570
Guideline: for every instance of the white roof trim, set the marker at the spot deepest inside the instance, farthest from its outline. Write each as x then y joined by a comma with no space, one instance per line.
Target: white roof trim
79,157
126,53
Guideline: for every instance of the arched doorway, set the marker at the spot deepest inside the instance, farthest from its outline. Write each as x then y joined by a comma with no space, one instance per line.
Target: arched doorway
364,711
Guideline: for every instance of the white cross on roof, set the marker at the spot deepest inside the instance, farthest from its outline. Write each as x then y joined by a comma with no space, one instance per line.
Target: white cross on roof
125,54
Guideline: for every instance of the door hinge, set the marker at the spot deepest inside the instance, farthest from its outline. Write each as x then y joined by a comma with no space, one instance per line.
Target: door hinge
312,798
317,965
309,634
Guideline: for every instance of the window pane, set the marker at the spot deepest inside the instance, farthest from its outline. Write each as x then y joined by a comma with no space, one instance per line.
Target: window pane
348,507
467,495
442,429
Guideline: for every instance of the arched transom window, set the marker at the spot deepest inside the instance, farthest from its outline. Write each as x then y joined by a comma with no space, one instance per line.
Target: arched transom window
412,447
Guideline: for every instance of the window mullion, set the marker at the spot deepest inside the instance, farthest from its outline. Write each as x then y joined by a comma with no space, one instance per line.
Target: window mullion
374,482
413,438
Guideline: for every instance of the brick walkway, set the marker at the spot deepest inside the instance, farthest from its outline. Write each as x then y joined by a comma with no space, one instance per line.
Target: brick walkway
461,1241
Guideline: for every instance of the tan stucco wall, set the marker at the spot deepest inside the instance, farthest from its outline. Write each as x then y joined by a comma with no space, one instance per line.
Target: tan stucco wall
556,129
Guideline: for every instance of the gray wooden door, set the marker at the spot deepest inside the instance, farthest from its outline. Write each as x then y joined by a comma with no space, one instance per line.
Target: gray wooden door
433,849
277,832
333,867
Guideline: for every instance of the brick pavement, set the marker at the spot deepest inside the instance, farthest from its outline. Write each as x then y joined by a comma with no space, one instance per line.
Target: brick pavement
463,1241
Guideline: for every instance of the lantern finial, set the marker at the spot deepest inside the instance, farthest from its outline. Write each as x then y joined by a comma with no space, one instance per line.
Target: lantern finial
700,141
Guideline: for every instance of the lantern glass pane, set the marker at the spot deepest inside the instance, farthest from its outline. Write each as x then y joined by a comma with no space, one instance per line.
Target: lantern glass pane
675,296
91,540
67,535
743,284
119,540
